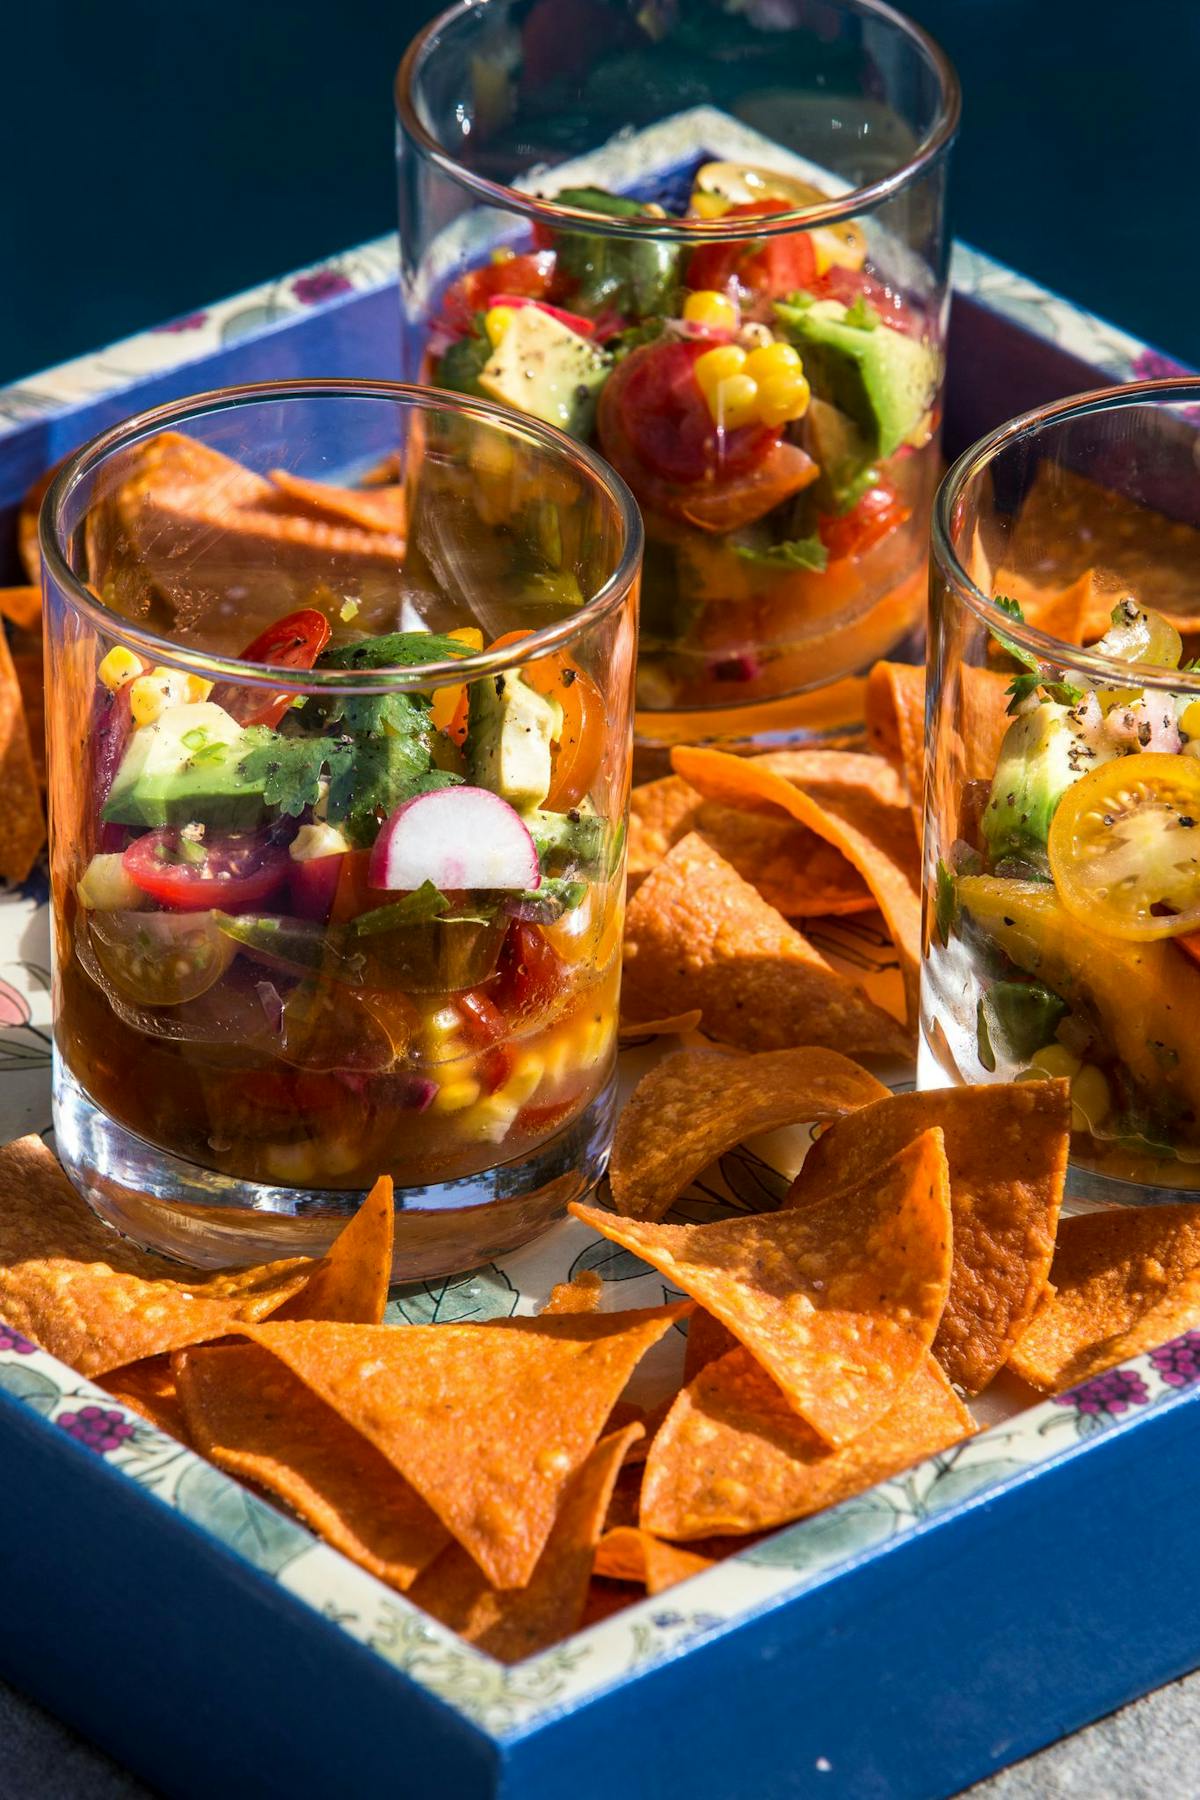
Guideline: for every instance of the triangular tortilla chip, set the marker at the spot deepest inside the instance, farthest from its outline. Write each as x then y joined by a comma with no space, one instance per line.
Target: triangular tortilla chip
698,1104
1110,1269
22,821
351,1282
696,934
87,1296
247,1413
1176,1313
519,1622
632,1031
707,1341
733,1457
628,1553
374,509
488,1422
1076,614
1006,1148
582,1294
895,721
854,802
793,869
838,1301
23,605
149,1388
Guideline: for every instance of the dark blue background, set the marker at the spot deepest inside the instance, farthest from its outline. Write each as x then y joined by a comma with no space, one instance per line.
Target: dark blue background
158,154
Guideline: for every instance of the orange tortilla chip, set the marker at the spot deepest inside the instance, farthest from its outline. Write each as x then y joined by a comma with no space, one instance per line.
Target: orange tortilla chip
1077,614
696,934
22,821
515,1623
698,1104
630,1554
1178,1311
854,802
1110,1270
149,1388
488,1422
707,1341
351,1282
633,1030
792,868
85,1295
1068,526
895,721
1006,1149
30,673
582,1294
23,605
256,1420
733,1457
28,547
838,1301
379,508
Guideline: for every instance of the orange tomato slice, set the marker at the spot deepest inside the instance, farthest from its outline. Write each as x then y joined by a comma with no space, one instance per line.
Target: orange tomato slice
1125,847
581,744
449,704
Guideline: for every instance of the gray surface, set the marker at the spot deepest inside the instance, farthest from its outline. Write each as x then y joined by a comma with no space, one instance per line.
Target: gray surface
1148,1751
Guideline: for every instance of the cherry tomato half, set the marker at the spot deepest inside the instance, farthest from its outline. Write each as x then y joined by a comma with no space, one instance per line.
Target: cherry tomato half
852,534
294,642
581,744
530,276
1125,847
232,871
772,266
530,975
159,959
654,421
485,1026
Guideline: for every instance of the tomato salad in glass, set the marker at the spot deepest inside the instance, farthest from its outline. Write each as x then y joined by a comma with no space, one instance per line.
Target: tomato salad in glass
323,937
771,402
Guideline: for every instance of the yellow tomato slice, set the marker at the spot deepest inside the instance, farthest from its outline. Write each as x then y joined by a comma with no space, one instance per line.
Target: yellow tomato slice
448,712
1125,847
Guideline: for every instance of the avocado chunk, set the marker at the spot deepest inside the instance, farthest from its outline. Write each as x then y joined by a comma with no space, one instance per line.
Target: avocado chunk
185,769
1146,996
567,843
1017,1018
1042,755
509,733
542,367
882,379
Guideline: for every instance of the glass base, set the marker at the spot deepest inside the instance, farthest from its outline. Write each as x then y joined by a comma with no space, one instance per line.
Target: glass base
209,1220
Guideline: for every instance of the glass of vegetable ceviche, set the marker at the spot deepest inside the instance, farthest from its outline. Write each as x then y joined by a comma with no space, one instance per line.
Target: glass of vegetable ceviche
707,238
1062,830
340,760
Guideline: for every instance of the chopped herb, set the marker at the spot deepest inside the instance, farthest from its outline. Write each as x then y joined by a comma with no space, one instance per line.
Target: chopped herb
1021,687
425,903
945,903
987,1056
793,553
862,316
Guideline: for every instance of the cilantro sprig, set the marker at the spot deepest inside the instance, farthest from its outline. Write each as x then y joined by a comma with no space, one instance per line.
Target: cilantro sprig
1034,675
793,553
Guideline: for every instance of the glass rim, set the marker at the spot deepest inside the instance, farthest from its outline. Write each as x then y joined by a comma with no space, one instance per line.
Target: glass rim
608,598
1168,390
866,198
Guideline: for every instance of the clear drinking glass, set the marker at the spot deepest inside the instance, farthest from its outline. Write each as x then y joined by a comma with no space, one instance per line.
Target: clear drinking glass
1063,785
708,238
335,897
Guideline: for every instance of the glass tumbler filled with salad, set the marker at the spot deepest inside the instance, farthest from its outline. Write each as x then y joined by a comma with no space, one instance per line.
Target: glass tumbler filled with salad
707,238
1062,848
340,696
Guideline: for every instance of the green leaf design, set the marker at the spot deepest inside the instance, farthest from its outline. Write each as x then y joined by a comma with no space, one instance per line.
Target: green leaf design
610,1262
266,1538
485,1293
753,1181
30,1386
814,1543
951,1486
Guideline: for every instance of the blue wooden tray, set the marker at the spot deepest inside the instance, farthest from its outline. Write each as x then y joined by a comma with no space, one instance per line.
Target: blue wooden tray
903,1644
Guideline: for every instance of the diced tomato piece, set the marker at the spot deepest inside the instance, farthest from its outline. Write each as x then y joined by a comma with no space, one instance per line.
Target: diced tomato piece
572,320
313,886
852,534
293,642
654,419
530,975
485,1025
528,276
772,266
230,872
849,285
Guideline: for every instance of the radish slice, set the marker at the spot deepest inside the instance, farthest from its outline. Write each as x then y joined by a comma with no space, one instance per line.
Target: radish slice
460,837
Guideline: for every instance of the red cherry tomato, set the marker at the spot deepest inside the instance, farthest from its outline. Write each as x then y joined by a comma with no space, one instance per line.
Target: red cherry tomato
112,728
313,885
485,1026
294,642
852,534
654,420
849,285
772,266
352,896
530,974
231,872
528,276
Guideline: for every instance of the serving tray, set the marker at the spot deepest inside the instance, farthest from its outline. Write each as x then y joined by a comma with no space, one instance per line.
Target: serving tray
902,1644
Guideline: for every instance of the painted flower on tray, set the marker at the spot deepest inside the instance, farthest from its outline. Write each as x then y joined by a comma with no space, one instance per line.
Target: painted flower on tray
189,322
14,1008
1109,1394
322,284
100,1428
1152,365
1179,1361
12,1340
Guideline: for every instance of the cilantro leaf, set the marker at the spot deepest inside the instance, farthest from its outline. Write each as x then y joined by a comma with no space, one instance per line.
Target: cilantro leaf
395,650
861,315
632,275
1036,676
290,769
424,903
462,362
794,553
381,773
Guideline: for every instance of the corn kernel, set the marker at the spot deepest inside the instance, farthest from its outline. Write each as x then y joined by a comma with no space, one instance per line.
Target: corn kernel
338,1156
718,365
150,695
524,1080
783,398
734,402
773,359
754,336
505,253
716,312
293,1163
491,1120
838,246
118,667
348,610
455,1096
1189,719
1054,1060
197,688
442,1025
1091,1099
709,206
496,322
597,1041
